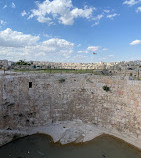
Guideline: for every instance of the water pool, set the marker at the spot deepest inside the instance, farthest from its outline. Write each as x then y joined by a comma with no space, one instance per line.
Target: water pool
40,146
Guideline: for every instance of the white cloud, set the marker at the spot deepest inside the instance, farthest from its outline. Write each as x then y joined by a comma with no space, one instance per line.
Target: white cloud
16,45
106,11
5,6
11,38
93,49
98,17
2,22
23,13
80,58
104,49
95,24
135,42
62,10
65,13
111,16
138,9
13,5
43,19
131,2
79,45
47,35
105,14
57,46
111,55
102,59
85,13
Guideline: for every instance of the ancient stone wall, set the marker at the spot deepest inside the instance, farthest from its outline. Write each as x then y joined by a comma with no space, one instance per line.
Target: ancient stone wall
65,97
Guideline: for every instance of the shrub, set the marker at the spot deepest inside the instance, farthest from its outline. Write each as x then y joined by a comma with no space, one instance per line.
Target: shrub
15,136
11,104
20,115
106,88
62,80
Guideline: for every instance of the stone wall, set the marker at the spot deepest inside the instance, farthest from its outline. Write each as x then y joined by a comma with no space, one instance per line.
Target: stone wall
66,97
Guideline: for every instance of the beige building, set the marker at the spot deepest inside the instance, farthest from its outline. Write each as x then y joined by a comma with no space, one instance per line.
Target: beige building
3,64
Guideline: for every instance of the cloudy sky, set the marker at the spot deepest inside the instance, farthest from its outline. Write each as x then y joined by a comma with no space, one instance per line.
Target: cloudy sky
70,30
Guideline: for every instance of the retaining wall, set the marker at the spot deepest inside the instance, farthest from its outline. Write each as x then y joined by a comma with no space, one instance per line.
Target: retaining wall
65,97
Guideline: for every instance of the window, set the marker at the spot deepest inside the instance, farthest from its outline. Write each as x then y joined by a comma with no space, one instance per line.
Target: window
30,84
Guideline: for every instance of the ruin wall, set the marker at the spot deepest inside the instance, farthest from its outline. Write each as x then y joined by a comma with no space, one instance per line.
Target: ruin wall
41,99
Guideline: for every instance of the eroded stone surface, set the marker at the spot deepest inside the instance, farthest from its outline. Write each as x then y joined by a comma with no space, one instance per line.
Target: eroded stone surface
78,97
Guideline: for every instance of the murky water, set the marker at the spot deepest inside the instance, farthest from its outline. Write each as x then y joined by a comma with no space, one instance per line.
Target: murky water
40,146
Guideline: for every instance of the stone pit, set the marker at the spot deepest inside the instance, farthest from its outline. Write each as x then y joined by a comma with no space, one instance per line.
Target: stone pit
70,107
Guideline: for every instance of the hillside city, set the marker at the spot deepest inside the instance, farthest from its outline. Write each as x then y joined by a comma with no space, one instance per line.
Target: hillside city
125,68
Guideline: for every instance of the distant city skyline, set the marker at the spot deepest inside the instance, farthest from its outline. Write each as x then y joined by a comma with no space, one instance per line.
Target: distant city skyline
70,30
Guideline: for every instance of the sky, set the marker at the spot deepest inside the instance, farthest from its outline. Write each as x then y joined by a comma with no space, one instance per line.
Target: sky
70,30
